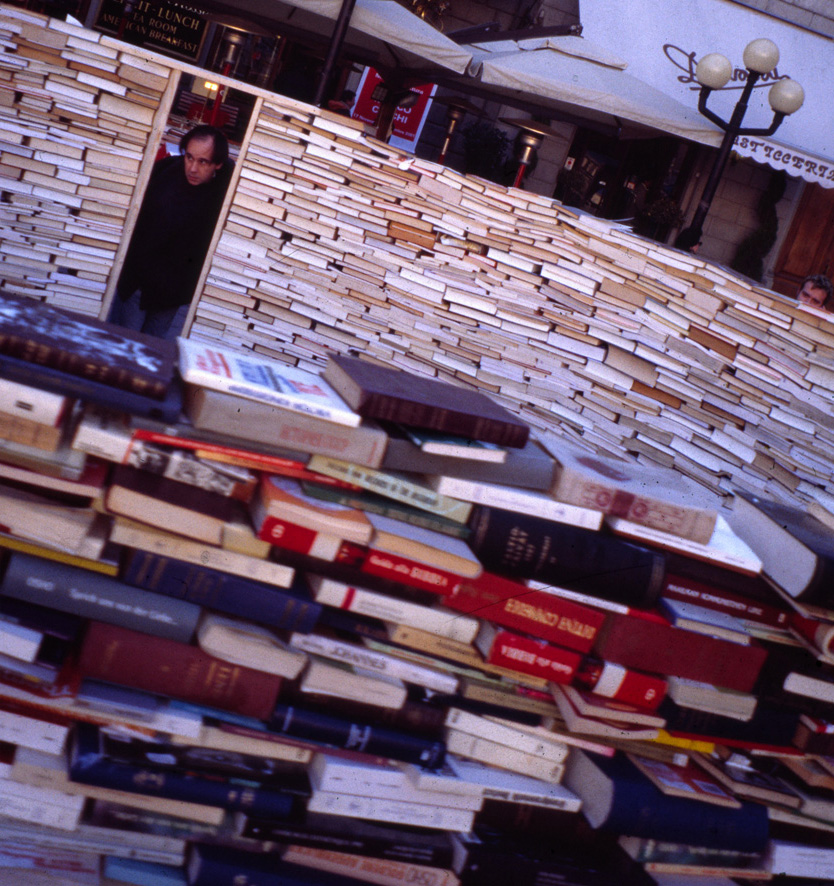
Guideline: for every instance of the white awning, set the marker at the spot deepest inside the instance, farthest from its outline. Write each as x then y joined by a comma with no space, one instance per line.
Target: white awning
575,75
663,42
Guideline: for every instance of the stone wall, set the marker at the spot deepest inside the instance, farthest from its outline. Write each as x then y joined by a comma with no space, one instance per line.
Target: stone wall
332,241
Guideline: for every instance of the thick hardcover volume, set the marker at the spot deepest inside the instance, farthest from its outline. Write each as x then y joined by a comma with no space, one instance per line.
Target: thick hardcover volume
388,394
617,797
369,739
519,608
42,334
527,655
747,597
529,467
266,381
98,597
523,546
657,497
290,610
623,685
796,549
354,835
645,645
176,670
90,763
261,423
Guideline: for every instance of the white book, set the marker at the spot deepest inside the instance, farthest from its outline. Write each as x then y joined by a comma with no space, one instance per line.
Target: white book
255,377
501,755
18,641
503,732
348,682
248,644
513,787
418,815
434,619
516,499
145,538
35,404
724,546
373,661
383,781
30,732
40,805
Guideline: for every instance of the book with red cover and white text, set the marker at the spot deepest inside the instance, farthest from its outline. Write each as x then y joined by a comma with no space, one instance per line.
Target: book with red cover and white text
528,655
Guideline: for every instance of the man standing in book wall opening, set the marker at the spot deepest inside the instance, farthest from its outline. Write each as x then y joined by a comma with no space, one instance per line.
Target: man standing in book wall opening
172,234
816,292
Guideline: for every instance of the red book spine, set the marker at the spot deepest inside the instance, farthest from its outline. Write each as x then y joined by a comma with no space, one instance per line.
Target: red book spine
174,669
532,656
678,587
399,569
622,684
514,605
301,539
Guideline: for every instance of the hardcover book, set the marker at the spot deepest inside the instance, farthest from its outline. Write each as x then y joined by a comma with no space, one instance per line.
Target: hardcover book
177,670
527,547
39,333
619,798
389,394
684,780
33,403
797,549
99,597
235,594
253,377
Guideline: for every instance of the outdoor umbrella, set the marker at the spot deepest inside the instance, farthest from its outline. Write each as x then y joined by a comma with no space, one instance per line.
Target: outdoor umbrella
572,75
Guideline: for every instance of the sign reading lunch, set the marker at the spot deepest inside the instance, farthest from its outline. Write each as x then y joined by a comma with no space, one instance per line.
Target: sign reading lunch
170,28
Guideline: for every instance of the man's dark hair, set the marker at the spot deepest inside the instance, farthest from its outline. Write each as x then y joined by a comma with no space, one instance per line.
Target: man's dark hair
220,153
820,281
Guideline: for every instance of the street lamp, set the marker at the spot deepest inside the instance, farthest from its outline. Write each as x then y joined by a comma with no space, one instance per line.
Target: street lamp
713,71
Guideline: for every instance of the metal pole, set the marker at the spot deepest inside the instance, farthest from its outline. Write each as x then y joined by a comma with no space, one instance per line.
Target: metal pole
336,41
731,130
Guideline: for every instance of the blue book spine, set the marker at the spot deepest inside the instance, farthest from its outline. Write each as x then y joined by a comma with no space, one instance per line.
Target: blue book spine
343,733
89,764
290,609
98,597
212,865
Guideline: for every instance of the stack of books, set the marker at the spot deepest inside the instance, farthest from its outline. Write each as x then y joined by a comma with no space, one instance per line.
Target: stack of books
363,626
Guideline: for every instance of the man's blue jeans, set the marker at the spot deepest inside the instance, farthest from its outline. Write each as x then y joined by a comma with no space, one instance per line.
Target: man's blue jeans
164,323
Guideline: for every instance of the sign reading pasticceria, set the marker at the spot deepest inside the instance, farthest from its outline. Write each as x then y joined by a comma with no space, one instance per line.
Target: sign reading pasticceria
169,27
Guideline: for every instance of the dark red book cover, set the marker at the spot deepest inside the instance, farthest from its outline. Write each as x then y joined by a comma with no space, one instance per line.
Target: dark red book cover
174,669
664,649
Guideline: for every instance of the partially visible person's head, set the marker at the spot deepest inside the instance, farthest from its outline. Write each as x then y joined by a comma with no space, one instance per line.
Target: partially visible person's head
205,150
815,292
689,239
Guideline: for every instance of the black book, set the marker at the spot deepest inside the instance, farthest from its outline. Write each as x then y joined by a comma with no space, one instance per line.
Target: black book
597,563
796,549
792,677
341,834
772,724
344,732
79,345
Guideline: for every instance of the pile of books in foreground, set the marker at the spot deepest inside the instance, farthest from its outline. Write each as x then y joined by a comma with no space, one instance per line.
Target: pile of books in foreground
261,626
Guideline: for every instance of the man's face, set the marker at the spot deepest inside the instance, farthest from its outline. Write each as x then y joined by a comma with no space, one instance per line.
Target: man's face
812,296
199,161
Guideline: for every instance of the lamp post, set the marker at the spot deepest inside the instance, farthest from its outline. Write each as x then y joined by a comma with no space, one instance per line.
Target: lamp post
713,71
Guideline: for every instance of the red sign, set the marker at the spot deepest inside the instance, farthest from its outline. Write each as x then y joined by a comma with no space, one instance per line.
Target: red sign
407,121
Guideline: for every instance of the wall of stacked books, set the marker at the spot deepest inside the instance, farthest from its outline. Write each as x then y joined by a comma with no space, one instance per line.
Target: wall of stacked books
342,588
